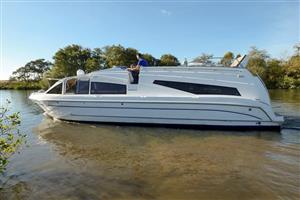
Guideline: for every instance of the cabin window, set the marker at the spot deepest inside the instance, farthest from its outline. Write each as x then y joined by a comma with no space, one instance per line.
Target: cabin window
82,87
56,90
71,86
199,88
107,88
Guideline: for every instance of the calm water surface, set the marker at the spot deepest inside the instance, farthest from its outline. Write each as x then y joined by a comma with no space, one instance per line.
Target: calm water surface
90,161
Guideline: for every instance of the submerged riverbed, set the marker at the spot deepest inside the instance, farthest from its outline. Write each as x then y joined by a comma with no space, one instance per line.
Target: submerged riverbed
93,161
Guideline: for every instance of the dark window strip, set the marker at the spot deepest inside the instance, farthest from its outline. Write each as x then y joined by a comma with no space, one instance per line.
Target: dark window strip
196,88
107,88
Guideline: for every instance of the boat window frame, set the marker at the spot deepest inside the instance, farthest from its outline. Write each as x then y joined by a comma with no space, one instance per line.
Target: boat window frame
125,90
190,88
55,85
65,87
89,90
77,79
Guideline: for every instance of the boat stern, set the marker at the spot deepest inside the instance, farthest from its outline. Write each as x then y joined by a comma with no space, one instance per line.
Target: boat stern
278,119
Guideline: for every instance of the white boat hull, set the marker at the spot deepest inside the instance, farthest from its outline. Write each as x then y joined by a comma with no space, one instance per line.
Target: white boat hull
165,113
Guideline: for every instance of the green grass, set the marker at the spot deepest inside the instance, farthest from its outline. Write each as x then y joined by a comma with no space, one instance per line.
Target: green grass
20,85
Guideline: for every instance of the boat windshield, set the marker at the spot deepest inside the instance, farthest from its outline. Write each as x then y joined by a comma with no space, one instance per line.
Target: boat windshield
86,86
56,89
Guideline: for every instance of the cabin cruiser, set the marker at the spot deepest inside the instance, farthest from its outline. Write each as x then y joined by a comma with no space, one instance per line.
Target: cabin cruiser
200,96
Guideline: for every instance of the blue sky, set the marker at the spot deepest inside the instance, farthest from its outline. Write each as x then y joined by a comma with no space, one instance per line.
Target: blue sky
37,29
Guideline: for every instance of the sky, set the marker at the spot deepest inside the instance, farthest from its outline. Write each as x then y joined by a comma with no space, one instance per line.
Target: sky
33,29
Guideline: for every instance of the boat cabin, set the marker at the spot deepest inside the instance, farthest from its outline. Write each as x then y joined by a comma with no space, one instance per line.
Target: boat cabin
162,81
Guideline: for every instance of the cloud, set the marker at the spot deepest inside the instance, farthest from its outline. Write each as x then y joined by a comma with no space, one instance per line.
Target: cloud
165,12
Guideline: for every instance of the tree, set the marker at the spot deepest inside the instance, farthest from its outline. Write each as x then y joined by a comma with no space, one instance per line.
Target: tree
292,75
10,137
38,67
297,48
96,61
274,74
32,70
21,74
168,60
257,62
256,53
227,59
293,67
73,57
117,55
204,59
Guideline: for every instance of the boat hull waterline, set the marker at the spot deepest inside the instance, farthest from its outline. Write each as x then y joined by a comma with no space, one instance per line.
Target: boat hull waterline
200,115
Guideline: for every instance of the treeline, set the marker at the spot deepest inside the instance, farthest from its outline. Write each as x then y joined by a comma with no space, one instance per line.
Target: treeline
73,57
276,73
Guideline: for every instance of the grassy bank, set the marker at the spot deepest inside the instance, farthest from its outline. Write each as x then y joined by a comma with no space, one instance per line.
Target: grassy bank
20,85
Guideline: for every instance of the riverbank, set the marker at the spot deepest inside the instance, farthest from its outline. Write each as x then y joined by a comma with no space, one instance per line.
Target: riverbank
20,85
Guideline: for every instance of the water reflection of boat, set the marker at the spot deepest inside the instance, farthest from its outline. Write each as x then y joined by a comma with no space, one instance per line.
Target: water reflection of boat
194,96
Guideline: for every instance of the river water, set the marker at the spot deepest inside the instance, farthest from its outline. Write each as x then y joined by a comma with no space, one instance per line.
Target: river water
91,161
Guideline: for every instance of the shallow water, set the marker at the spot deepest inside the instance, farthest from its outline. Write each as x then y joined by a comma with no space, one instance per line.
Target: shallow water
93,161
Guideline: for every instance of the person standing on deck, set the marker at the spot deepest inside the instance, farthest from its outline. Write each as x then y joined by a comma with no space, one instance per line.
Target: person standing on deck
135,70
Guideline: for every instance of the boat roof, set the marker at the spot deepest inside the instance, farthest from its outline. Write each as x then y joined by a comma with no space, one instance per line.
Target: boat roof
172,69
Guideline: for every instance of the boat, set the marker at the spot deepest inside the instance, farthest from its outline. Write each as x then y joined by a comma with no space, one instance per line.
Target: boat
180,96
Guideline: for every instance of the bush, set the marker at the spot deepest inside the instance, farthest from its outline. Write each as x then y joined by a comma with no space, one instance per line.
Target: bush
10,137
20,85
275,73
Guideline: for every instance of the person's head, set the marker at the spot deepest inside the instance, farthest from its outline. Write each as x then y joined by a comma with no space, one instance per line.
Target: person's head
138,56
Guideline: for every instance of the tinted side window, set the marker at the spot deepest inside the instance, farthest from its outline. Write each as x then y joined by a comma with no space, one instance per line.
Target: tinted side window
107,88
199,88
82,87
71,86
56,90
